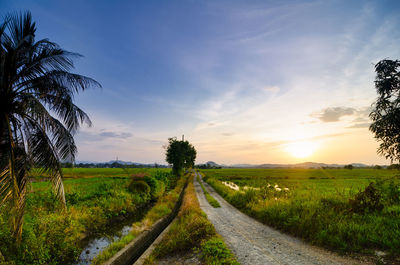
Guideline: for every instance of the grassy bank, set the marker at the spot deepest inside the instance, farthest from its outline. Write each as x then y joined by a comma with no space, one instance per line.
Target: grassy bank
162,208
191,231
335,208
51,235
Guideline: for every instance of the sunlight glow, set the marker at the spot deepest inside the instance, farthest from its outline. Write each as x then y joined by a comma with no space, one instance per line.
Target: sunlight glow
301,149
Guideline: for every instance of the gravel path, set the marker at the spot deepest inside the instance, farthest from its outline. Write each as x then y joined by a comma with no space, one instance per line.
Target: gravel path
255,243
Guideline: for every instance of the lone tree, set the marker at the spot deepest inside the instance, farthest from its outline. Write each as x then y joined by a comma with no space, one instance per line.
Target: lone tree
386,112
38,117
180,154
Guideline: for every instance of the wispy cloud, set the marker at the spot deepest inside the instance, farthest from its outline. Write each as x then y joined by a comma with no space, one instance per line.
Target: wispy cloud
334,114
359,125
109,134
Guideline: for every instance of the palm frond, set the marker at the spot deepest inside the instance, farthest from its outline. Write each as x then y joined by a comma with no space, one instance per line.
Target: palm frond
38,117
44,155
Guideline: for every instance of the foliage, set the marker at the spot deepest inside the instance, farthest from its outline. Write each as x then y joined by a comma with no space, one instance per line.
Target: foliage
386,112
180,154
335,208
139,187
350,166
394,166
37,115
368,200
192,231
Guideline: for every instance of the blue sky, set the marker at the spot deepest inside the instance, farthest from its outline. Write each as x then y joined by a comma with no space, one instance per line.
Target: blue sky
245,81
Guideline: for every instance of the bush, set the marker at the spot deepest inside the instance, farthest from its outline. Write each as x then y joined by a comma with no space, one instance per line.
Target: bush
369,200
140,187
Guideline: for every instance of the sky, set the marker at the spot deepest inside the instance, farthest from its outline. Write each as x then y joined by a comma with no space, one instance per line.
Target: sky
245,81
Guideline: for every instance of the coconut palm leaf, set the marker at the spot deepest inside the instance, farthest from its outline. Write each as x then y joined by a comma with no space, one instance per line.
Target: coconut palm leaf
38,117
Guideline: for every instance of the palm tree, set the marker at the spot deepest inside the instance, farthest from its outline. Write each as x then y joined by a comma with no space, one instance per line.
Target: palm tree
38,117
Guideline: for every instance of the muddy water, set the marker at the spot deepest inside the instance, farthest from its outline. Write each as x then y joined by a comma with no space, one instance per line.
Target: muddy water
97,242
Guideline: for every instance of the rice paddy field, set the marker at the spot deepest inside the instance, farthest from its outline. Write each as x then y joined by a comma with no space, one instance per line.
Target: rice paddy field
96,198
350,211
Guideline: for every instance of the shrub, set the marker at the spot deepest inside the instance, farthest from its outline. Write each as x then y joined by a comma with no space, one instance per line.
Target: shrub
139,186
368,200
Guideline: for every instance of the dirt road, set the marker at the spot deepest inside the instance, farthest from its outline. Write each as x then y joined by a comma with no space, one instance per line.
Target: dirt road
255,243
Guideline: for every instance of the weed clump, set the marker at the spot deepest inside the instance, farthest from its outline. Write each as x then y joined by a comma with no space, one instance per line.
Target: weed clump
214,251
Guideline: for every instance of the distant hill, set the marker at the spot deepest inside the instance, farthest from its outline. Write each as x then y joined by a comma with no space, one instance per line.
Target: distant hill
298,165
116,163
212,163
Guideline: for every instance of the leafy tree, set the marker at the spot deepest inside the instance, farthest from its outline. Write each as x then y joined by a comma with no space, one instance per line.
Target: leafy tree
37,115
180,154
350,166
386,112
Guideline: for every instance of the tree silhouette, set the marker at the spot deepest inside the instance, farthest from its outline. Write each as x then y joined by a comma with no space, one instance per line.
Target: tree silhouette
180,154
386,112
37,115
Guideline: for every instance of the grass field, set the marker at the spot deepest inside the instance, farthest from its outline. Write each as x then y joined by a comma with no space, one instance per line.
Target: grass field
101,172
335,208
95,197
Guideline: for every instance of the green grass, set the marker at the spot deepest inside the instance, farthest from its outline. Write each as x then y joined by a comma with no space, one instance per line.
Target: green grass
191,231
213,202
52,236
323,206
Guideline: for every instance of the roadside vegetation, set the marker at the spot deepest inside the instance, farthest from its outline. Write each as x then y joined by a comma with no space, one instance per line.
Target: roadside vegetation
213,202
162,208
346,210
192,232
53,236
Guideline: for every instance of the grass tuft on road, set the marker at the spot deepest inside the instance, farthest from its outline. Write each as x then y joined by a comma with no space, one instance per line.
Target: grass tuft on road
213,202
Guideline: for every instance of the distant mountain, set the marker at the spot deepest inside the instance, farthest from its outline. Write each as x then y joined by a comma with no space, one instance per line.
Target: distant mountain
298,165
212,163
121,162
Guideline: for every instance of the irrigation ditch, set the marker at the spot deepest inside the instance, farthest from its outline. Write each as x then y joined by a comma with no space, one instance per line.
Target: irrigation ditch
98,241
131,252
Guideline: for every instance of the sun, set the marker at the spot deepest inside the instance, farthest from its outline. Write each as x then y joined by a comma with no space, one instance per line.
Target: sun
301,149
